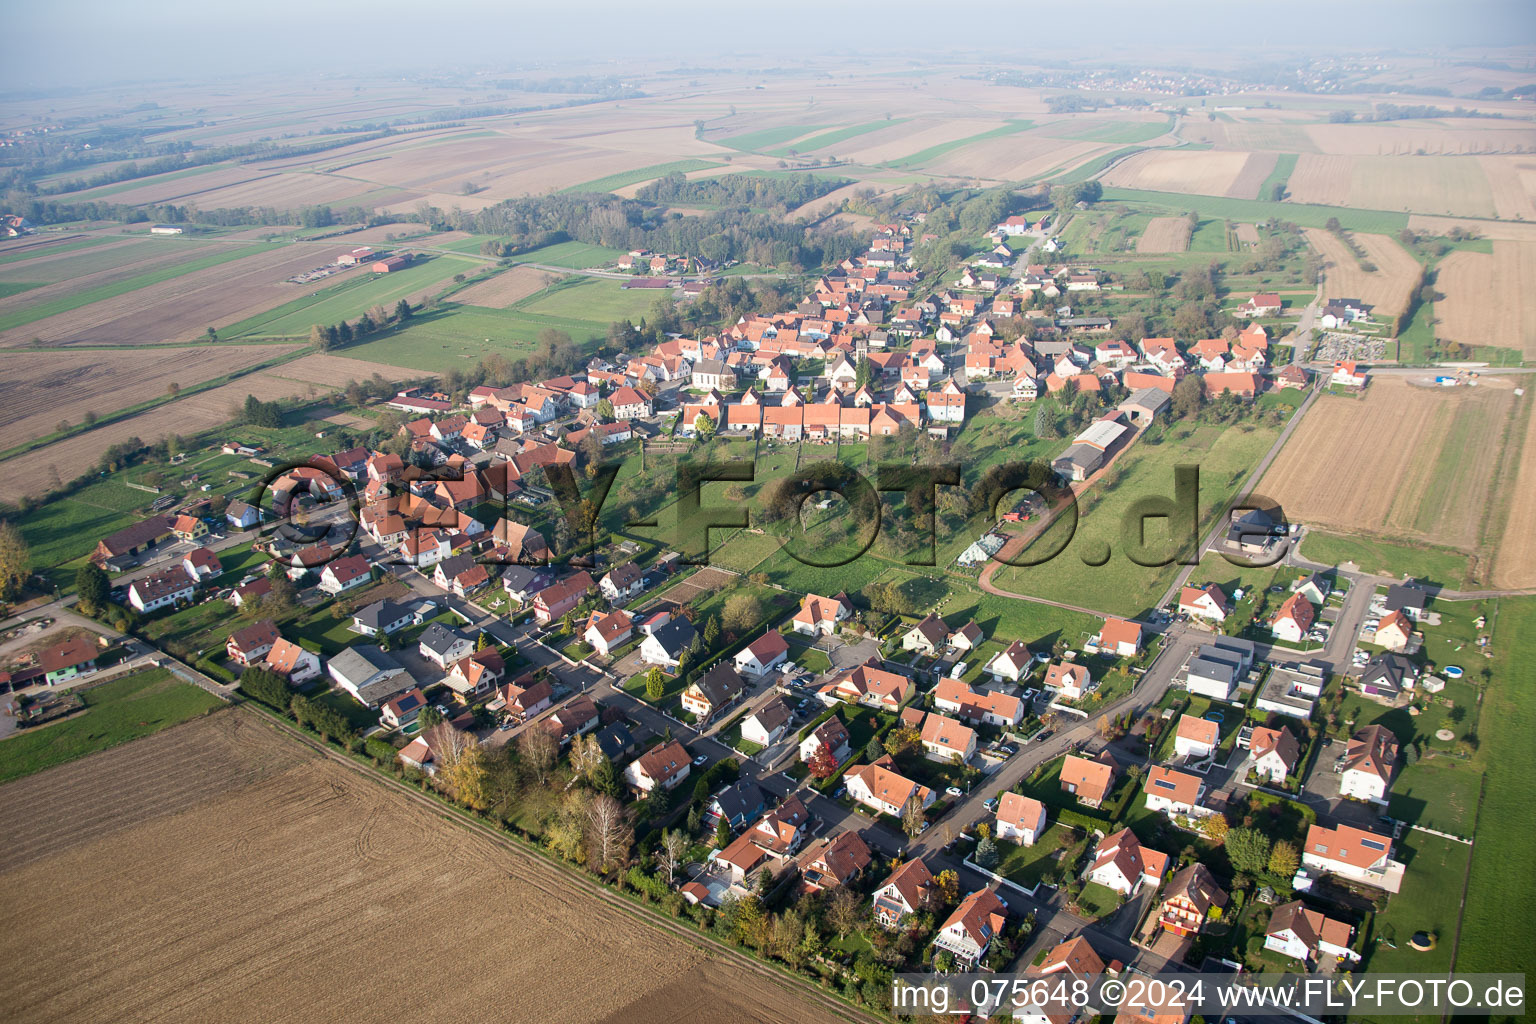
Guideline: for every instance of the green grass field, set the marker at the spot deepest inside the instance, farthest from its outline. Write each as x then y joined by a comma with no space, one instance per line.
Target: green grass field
51,250
360,291
639,174
835,137
923,156
571,255
1442,565
1430,901
1285,164
1224,457
594,299
41,310
1382,222
1440,794
765,138
1500,913
116,712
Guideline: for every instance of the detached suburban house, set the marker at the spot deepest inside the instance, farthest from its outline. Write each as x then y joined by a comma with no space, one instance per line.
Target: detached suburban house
1308,935
1174,792
1089,781
666,644
927,637
717,689
1189,900
909,889
1273,754
1368,762
969,931
1020,819
622,583
880,787
1207,602
1123,865
665,766
69,660
345,574
1119,637
293,662
1352,853
605,632
767,725
820,615
762,655
831,736
1196,737
443,646
247,646
369,674
161,589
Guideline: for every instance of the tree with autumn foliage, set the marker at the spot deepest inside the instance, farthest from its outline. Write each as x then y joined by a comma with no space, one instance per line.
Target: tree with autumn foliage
822,764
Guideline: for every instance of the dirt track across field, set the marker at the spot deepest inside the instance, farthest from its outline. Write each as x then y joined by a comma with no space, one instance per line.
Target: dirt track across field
222,871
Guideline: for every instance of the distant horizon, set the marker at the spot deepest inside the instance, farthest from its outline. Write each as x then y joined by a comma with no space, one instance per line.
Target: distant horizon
90,43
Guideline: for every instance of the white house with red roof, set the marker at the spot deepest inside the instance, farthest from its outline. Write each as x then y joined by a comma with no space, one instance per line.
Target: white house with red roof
1020,819
968,932
1292,620
820,615
1352,853
762,655
1123,865
1119,637
1347,374
1208,602
1196,737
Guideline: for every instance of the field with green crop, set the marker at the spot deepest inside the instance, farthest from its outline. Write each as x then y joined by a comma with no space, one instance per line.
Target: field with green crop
835,137
116,712
1381,222
571,255
614,181
350,299
932,153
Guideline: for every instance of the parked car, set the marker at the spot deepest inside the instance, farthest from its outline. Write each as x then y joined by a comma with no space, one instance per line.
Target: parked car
1006,751
991,804
700,761
954,791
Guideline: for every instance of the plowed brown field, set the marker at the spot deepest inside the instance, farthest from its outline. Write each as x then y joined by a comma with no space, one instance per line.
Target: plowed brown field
1205,172
1406,461
219,871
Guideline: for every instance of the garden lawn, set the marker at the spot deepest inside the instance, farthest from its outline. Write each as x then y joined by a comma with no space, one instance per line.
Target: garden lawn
116,712
1029,865
1439,793
1430,901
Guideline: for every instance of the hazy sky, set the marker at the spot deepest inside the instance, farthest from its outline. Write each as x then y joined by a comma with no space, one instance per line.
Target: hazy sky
63,41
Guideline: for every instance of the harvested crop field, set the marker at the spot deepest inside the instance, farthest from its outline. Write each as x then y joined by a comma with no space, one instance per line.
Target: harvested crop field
1204,172
289,191
1494,229
1165,234
1441,136
30,473
1387,288
1515,565
1405,461
1256,170
1453,185
1489,299
1247,234
220,871
1513,182
507,287
1016,157
182,307
40,387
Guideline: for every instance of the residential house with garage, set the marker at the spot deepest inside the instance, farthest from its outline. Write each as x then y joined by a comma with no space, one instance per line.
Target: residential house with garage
293,662
945,739
443,645
833,861
770,841
1196,738
345,574
870,686
622,583
666,644
927,637
1174,792
1207,602
1011,664
382,618
555,600
1352,853
161,590
738,803
819,615
247,646
1119,637
1292,620
525,699
606,631
401,711
762,655
1309,935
